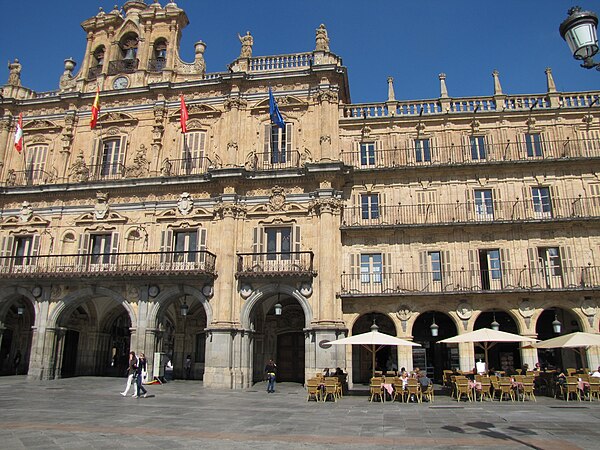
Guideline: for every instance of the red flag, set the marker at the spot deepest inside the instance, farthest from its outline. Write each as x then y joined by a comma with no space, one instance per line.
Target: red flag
184,115
19,134
95,109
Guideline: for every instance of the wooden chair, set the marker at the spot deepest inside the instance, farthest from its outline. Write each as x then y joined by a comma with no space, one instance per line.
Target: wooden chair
486,388
495,387
506,389
462,387
376,389
571,371
313,390
428,393
447,379
594,388
528,388
572,387
330,391
338,385
413,388
398,389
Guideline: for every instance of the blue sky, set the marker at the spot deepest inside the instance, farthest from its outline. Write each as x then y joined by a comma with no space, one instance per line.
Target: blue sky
413,41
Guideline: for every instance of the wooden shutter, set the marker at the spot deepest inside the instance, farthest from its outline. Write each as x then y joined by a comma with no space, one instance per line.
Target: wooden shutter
558,208
258,245
202,245
497,204
474,271
382,208
83,249
288,141
379,154
267,144
8,243
35,248
386,271
166,246
114,248
469,203
355,264
534,269
527,210
570,276
446,268
296,248
424,270
122,151
96,153
508,278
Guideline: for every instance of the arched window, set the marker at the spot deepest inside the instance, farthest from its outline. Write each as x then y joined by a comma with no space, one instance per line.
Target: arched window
97,63
108,157
127,61
159,57
36,163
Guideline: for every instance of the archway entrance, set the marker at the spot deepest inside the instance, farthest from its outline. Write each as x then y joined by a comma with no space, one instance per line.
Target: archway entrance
431,355
556,358
15,343
504,355
279,336
386,359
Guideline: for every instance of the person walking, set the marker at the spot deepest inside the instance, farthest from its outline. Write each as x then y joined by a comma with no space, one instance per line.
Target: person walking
188,367
17,362
141,368
271,373
131,372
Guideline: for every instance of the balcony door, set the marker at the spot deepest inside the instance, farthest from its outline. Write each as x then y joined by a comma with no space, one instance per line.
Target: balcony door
550,267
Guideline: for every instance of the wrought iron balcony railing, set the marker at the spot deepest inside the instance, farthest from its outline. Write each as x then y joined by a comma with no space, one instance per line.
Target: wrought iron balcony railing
29,177
369,158
100,172
123,66
275,160
461,213
456,282
133,264
272,264
157,65
185,166
94,72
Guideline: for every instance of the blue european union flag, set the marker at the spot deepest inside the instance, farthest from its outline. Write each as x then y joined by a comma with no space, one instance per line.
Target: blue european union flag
276,116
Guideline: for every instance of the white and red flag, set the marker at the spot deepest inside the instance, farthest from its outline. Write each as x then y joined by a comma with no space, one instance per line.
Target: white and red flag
19,134
184,115
95,109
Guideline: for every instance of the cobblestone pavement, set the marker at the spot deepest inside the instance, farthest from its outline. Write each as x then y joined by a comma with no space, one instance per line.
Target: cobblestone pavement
88,412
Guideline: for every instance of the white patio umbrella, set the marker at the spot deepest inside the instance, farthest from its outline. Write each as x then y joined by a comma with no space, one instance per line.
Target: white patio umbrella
374,341
577,341
486,338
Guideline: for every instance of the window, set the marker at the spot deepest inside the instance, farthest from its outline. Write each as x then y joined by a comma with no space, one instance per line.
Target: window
490,268
422,150
278,243
193,144
371,268
367,153
542,206
280,143
100,247
186,245
435,263
549,259
478,148
533,143
111,157
23,250
36,162
484,207
369,205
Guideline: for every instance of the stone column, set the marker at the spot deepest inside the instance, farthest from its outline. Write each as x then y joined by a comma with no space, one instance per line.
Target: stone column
219,349
593,357
405,357
5,125
60,334
529,354
466,354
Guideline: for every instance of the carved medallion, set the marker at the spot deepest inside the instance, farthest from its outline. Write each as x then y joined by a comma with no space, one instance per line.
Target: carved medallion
277,200
404,313
185,203
526,308
26,212
464,311
589,307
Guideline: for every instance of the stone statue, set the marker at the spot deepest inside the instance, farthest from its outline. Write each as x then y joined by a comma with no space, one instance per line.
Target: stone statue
322,39
14,76
79,169
247,42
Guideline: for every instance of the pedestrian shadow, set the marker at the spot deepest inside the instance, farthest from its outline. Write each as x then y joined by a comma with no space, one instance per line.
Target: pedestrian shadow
488,429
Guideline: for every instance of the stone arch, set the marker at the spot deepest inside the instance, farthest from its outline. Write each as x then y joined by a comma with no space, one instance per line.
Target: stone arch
164,298
410,323
569,305
519,321
355,319
16,291
265,292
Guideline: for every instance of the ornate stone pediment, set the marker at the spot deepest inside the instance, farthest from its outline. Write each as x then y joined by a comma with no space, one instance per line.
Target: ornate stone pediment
30,220
285,103
200,110
91,218
114,118
40,125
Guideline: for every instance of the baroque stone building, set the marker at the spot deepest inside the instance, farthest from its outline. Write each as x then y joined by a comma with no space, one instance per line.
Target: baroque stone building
241,241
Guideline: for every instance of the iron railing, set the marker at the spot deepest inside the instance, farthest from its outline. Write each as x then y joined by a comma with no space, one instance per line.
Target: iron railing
275,264
461,281
157,65
29,177
123,66
370,158
275,160
104,171
460,213
94,72
130,264
185,166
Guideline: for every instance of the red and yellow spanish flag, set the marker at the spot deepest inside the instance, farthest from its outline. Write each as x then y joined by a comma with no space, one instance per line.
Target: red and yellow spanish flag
95,109
19,134
184,115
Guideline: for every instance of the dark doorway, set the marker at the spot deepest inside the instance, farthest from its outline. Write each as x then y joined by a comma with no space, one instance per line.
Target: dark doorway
6,366
503,356
434,356
70,354
386,359
290,357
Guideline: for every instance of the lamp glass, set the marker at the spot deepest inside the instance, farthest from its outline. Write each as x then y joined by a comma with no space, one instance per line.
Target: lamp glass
184,309
278,309
495,325
556,325
582,40
20,310
435,329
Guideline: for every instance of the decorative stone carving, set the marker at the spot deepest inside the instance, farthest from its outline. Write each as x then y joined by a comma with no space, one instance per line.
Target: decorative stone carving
26,212
404,313
139,168
79,170
67,82
464,311
11,177
14,76
67,132
325,205
526,308
234,210
247,41
321,39
234,103
589,307
325,138
326,95
185,203
246,291
199,63
277,199
101,207
166,167
306,289
232,146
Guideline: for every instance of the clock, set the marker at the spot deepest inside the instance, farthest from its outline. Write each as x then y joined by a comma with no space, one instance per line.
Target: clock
120,83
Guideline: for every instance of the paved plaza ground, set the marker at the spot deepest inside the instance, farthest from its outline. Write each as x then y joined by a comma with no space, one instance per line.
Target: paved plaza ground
88,412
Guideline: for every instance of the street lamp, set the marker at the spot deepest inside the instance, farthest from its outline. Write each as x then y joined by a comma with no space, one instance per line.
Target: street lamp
435,329
556,325
579,29
278,307
20,311
495,325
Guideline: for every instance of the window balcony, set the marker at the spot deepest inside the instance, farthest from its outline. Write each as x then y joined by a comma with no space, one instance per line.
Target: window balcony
275,264
185,166
474,281
369,158
123,66
566,209
94,72
101,172
30,177
119,265
275,160
157,65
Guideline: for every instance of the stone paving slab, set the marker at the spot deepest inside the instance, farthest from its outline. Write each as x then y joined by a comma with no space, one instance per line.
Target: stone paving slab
88,412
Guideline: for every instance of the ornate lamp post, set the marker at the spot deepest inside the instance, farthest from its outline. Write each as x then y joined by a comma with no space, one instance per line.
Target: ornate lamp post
579,29
434,327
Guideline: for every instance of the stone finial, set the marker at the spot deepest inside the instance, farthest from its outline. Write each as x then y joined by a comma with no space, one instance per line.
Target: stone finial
497,86
391,95
199,48
247,42
66,79
443,88
14,73
549,80
321,39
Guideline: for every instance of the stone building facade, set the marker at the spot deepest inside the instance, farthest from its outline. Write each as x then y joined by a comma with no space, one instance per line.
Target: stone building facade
241,241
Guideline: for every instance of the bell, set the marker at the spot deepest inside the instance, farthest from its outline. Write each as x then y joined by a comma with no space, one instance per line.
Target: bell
130,54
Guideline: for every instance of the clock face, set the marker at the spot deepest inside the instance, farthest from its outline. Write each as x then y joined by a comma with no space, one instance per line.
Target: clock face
120,83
